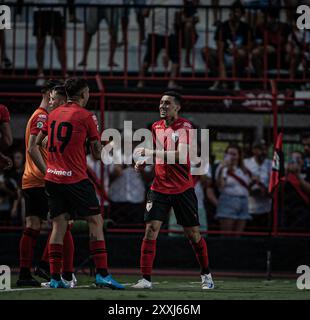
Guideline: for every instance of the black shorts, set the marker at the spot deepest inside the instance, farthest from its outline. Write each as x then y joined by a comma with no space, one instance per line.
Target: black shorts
185,207
157,42
36,203
48,22
79,200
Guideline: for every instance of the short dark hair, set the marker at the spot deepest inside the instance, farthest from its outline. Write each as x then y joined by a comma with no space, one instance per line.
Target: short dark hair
60,90
176,95
238,5
305,135
50,84
74,86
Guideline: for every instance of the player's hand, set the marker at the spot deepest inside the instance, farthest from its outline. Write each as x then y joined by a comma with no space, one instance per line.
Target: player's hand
5,162
140,165
44,142
139,152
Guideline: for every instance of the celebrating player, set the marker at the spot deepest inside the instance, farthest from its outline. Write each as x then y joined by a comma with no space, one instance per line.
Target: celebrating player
71,194
6,137
172,187
33,186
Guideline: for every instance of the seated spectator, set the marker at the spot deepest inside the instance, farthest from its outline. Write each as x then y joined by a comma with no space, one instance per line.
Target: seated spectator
233,40
189,19
158,32
233,181
272,37
94,15
259,201
298,48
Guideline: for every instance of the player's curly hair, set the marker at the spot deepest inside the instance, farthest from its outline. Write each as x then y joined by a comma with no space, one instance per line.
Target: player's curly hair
50,84
74,86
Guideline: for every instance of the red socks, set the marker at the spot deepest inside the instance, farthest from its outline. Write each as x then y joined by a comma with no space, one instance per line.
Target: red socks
26,247
201,251
45,256
68,252
55,258
148,252
99,254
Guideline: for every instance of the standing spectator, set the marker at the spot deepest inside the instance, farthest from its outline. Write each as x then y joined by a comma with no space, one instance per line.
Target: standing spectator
162,27
259,201
189,19
298,49
6,139
295,195
271,36
49,21
15,177
233,181
139,16
233,40
126,194
4,60
305,140
94,15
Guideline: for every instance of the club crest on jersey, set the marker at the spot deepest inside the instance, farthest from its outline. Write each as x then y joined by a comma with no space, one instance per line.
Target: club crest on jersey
149,205
175,136
40,125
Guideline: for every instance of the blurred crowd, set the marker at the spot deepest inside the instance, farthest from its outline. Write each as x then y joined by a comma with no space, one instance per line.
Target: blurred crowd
233,194
254,39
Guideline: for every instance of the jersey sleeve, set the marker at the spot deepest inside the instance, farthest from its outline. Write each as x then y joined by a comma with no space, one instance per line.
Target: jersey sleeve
92,128
184,130
45,128
4,114
37,123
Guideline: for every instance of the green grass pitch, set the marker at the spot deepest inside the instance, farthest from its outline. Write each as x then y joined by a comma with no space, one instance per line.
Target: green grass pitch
167,288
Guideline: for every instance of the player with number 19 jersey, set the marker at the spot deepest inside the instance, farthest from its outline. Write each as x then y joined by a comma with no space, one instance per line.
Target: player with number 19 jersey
68,127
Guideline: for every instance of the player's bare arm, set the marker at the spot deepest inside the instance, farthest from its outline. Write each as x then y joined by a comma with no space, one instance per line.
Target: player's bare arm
96,149
6,135
34,144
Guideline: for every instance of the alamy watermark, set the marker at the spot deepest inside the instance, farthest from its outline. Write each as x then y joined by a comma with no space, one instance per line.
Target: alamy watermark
303,281
119,147
5,278
303,21
5,17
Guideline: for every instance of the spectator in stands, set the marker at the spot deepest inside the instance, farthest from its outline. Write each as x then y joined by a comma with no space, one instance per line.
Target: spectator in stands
158,33
305,140
4,60
49,21
233,181
233,42
295,195
271,36
259,201
9,197
139,16
256,9
189,19
15,177
298,48
94,15
126,194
